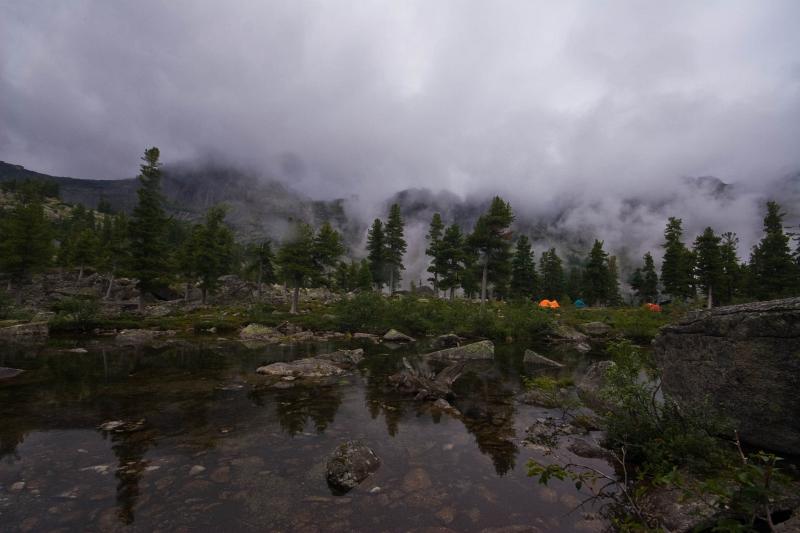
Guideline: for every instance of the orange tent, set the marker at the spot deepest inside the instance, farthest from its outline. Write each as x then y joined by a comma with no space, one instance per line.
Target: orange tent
653,307
549,304
554,304
544,303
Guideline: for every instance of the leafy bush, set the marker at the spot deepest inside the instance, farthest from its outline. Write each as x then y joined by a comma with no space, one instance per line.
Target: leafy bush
75,314
657,434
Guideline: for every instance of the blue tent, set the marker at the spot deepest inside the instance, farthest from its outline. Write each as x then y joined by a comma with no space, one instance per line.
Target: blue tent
579,304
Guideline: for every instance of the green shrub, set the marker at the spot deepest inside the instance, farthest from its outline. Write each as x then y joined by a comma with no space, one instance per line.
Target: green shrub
75,314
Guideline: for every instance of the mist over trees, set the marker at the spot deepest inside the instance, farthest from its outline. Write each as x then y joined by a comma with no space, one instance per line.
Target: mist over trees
492,261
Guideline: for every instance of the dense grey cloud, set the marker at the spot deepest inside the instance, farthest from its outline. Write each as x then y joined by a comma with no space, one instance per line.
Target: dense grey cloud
550,103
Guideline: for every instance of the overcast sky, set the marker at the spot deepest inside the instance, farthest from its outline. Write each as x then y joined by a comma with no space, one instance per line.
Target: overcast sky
534,99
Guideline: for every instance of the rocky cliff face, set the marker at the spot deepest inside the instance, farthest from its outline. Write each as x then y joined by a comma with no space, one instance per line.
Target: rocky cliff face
746,360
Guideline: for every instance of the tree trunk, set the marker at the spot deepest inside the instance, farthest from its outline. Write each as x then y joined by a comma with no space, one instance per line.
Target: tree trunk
110,285
186,291
141,300
436,284
710,303
391,281
295,300
483,283
80,273
452,293
260,277
205,294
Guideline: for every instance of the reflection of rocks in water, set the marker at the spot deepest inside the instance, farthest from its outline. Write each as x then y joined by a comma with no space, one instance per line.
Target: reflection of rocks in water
380,397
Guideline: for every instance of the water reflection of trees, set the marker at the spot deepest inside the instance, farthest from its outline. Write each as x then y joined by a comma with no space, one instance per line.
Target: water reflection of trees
488,413
380,397
130,450
297,405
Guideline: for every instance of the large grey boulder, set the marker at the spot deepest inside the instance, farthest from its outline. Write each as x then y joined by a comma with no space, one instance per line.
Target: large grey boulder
350,464
470,352
28,329
745,359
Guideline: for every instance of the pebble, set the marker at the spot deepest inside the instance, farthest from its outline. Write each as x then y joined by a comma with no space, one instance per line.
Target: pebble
197,469
18,486
374,490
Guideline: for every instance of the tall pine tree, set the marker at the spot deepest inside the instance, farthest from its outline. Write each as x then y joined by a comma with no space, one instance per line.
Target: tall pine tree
551,275
490,239
395,246
524,279
708,263
26,245
596,281
297,264
774,273
434,238
376,254
214,251
147,229
450,259
677,265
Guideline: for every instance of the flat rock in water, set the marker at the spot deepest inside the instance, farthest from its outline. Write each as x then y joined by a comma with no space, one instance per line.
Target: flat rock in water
347,358
533,358
470,352
304,368
395,336
350,464
8,373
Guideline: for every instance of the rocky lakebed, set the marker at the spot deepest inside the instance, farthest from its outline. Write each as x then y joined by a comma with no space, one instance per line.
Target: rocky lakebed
208,433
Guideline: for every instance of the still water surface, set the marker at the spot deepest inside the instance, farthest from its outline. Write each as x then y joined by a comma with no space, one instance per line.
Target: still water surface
220,449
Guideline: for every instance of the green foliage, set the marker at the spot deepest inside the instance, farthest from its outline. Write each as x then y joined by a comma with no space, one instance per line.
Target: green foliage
434,238
25,241
490,239
599,286
149,258
75,314
657,435
376,254
774,273
552,275
395,245
371,312
678,262
524,279
261,262
328,248
450,259
213,251
708,262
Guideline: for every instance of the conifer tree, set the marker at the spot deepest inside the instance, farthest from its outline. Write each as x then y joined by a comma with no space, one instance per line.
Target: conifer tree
573,283
636,281
596,278
649,290
328,248
341,277
86,250
613,297
147,229
25,243
114,247
708,263
434,238
677,265
261,260
365,281
214,250
297,262
376,254
490,239
395,246
450,259
551,273
185,260
774,273
524,279
732,275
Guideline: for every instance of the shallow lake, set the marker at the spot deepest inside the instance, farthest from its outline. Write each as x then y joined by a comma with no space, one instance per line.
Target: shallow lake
222,449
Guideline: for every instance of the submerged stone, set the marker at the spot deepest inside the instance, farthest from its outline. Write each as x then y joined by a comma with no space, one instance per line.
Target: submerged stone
350,464
469,352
